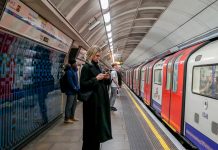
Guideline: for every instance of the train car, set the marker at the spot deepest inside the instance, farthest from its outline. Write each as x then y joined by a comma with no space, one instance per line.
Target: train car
138,81
197,64
135,78
131,79
176,103
148,81
166,86
128,80
157,85
142,80
201,105
126,77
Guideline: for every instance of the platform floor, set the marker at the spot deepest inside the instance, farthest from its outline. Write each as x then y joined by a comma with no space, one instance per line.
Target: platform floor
132,128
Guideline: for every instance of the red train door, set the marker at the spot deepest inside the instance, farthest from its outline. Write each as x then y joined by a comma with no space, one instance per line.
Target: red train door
134,79
131,79
139,80
128,78
178,76
145,84
166,86
148,82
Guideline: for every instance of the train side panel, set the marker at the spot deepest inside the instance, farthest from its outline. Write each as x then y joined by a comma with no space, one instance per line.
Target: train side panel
201,121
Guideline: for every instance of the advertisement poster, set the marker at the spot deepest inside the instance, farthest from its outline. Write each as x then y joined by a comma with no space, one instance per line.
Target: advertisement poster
19,18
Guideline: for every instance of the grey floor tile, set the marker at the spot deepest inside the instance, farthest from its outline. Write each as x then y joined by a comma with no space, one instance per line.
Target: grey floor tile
41,146
69,136
114,145
67,146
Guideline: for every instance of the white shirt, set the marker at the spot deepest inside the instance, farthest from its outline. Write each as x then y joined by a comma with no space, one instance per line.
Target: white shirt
114,77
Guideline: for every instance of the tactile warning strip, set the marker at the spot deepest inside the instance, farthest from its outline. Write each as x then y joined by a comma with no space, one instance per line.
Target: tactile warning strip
139,134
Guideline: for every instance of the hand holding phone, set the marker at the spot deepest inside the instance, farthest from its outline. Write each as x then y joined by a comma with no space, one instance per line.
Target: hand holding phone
106,75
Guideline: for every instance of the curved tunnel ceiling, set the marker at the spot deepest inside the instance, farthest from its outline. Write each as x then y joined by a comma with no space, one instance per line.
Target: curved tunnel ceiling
141,29
183,21
131,20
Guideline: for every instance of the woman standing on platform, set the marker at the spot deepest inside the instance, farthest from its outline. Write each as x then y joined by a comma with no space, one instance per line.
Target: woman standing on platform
96,110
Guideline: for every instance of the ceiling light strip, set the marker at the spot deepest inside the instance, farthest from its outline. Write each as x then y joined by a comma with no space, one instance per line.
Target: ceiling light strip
107,22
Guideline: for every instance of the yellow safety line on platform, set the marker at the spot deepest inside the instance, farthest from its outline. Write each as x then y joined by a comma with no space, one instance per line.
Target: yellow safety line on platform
158,136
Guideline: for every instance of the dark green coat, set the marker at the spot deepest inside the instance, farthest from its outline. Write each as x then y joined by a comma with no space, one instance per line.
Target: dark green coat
96,111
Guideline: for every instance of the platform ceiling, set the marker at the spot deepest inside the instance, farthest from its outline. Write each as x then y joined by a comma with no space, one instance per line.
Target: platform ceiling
141,29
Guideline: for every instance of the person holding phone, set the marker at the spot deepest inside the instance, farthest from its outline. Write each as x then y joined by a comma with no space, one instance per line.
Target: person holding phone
96,110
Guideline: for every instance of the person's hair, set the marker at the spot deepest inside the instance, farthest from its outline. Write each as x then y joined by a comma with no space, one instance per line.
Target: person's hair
114,64
92,51
71,61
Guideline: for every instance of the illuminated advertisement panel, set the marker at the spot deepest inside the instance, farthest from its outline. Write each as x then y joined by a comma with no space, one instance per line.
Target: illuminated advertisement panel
19,18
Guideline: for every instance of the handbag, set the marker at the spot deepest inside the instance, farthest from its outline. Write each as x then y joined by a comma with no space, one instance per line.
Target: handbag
84,96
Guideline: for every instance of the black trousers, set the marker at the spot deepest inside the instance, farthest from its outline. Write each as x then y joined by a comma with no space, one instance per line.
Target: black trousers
91,145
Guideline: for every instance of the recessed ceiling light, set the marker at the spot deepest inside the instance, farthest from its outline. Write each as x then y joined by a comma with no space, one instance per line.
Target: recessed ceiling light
109,35
110,40
107,17
108,28
104,4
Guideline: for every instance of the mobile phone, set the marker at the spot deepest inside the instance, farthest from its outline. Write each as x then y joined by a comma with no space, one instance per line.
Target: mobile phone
107,72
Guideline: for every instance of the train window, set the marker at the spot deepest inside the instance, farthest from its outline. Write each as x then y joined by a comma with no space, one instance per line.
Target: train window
147,72
142,79
158,76
205,81
149,75
175,73
136,74
169,74
142,75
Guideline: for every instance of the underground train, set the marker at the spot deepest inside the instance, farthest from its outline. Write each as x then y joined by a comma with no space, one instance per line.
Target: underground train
182,89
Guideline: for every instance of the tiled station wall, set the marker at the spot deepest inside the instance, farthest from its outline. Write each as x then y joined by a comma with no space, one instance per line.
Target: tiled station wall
30,96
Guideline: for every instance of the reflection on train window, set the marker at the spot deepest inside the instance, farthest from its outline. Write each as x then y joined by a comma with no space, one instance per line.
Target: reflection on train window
169,74
157,76
205,81
175,74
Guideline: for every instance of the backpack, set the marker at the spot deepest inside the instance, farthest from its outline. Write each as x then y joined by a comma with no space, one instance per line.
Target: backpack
63,83
119,76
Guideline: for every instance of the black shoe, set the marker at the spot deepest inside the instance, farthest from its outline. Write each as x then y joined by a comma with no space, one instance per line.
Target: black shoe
114,108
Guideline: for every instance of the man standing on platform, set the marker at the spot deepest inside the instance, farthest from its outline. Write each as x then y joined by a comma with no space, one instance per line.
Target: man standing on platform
71,92
114,86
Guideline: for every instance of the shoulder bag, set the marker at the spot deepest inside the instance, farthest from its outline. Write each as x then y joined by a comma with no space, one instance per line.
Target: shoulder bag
84,96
